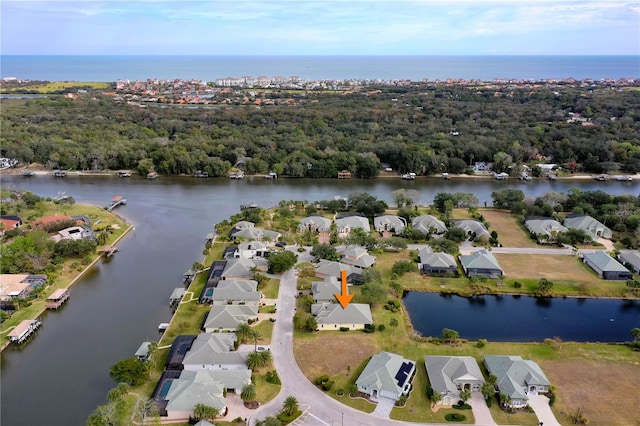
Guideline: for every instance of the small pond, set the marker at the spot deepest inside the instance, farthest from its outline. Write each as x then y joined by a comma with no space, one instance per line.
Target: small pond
513,318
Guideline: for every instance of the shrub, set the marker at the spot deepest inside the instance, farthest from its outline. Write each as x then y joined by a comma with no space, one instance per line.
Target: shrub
288,419
481,343
401,267
381,327
328,385
322,380
344,328
455,417
517,284
461,405
429,391
272,377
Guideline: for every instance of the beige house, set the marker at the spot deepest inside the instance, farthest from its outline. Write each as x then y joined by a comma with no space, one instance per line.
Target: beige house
331,316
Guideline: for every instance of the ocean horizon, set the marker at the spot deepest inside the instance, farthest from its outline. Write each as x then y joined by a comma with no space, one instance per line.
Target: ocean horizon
109,68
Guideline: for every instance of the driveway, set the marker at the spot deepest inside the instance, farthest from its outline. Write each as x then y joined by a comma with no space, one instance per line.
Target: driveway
323,410
540,405
480,410
384,407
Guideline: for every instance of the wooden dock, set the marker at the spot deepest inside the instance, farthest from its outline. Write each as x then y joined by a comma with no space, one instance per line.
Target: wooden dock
57,299
22,331
108,251
116,201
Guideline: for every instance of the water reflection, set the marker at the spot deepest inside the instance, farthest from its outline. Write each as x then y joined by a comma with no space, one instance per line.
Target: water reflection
522,318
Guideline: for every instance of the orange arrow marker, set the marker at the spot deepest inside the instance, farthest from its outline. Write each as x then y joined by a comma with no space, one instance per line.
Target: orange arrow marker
345,297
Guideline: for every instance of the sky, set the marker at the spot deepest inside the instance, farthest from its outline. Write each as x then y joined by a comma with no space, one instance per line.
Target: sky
341,27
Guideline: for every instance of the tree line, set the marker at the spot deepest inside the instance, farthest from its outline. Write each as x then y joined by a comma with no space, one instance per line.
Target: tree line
422,128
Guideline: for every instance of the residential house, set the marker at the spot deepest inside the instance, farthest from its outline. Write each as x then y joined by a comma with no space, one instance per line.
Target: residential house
227,317
357,256
437,264
238,269
19,286
237,292
329,268
517,378
331,316
591,226
482,167
348,223
544,229
474,228
449,375
386,375
428,225
214,351
323,291
257,234
8,222
251,249
74,233
315,224
630,259
481,263
388,224
606,266
190,389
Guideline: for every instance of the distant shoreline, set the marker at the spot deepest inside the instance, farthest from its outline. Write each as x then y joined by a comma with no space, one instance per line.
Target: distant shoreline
384,175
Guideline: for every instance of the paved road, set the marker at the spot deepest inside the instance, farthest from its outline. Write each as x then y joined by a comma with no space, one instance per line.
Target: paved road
324,410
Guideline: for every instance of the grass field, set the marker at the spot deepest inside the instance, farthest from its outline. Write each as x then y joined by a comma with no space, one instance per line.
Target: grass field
510,233
59,86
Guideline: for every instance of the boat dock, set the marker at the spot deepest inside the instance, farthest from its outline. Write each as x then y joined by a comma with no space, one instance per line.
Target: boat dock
23,330
108,251
116,201
57,298
162,327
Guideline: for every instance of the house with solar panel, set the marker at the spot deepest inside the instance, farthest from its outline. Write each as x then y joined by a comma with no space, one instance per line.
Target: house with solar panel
387,375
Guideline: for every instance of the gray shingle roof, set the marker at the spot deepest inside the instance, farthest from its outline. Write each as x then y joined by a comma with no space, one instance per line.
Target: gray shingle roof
632,257
318,223
213,348
444,371
481,259
194,387
238,268
544,226
240,290
323,291
440,259
332,313
604,262
470,225
514,374
389,222
353,222
587,224
381,371
229,316
425,223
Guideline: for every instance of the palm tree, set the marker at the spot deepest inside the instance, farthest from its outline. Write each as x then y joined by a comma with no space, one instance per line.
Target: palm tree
253,360
488,390
393,323
265,357
290,405
243,331
435,398
248,392
255,336
465,395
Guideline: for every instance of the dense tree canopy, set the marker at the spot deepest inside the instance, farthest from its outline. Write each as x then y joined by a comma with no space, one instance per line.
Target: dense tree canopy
592,128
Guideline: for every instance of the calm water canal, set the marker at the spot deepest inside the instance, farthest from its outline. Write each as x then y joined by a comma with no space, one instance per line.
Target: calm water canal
61,375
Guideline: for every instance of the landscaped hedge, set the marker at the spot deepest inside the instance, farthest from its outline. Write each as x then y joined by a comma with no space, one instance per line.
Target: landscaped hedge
322,380
455,417
288,419
328,385
461,407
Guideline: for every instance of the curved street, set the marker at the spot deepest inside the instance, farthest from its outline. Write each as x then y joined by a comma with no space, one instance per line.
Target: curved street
319,409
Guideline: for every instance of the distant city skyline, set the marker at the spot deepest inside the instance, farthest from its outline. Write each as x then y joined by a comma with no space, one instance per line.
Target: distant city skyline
342,27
